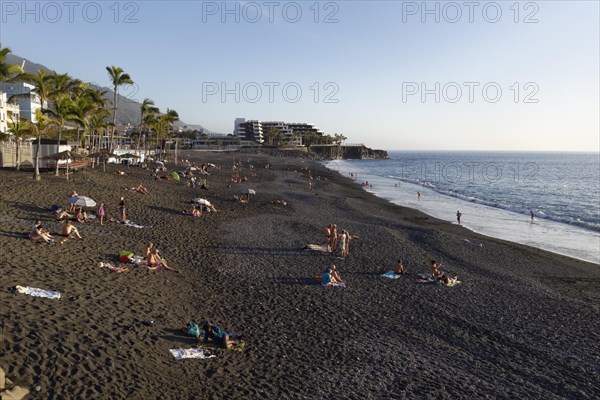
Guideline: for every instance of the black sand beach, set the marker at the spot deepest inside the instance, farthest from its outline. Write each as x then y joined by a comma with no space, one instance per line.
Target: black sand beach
524,323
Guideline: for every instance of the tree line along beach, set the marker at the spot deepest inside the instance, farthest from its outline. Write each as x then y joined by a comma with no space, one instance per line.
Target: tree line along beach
522,324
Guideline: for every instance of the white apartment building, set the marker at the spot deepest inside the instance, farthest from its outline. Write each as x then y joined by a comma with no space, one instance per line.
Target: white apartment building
8,112
28,105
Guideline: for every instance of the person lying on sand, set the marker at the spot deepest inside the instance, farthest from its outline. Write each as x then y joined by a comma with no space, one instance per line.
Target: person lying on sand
60,214
155,261
448,281
280,202
38,234
70,232
195,212
214,334
399,268
120,173
140,189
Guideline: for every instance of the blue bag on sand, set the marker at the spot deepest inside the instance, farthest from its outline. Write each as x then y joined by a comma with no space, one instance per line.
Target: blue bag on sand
193,329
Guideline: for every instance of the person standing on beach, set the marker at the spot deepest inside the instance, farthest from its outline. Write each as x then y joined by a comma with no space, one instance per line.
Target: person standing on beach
532,215
101,213
458,215
333,237
418,195
122,208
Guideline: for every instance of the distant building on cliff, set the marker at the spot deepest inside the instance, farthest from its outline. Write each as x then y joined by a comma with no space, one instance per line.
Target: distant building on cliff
286,133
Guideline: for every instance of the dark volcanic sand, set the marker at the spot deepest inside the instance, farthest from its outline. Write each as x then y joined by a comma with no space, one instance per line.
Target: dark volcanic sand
524,323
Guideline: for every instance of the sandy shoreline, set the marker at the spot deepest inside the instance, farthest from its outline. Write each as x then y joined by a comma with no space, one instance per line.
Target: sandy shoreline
523,324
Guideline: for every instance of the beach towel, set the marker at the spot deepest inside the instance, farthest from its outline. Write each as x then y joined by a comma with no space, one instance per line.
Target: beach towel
112,267
336,284
391,275
425,278
35,292
137,260
451,282
318,247
191,353
134,225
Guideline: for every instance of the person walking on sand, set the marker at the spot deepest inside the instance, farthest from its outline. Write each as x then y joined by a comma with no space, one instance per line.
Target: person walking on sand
101,213
418,195
458,215
122,208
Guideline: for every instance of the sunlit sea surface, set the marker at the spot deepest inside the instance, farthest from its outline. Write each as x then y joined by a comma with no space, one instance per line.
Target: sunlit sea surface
496,192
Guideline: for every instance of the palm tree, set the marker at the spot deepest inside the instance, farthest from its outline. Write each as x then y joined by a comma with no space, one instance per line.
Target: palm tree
147,108
87,102
43,87
165,123
7,71
118,78
19,132
39,128
61,113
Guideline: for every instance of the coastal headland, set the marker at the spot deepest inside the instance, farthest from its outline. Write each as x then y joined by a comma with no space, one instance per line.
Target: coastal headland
523,323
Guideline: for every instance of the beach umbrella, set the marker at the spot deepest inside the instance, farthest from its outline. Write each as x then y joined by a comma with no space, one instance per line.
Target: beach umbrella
82,201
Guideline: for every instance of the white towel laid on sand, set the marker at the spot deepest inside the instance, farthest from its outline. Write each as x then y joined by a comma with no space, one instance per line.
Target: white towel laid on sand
38,292
134,225
317,247
191,353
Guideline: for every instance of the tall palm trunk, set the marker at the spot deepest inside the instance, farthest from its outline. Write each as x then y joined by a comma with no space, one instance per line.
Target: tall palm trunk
58,149
36,170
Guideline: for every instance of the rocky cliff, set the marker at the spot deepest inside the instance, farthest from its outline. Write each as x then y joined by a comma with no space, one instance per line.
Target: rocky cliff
347,152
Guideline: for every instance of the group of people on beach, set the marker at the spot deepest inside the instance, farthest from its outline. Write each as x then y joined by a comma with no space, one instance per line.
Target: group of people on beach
339,242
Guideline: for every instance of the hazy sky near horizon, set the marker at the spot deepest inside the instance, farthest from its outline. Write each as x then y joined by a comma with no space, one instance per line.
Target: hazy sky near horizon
392,74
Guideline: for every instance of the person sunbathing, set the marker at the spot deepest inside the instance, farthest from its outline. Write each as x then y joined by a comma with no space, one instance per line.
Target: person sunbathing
335,275
280,202
435,269
212,333
60,214
70,232
140,189
155,261
399,268
120,173
195,212
448,281
38,234
81,216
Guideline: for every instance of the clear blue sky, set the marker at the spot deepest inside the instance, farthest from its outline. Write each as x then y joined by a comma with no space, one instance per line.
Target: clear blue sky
361,66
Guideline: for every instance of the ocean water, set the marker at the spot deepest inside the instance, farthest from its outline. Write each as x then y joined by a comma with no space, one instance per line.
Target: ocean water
495,193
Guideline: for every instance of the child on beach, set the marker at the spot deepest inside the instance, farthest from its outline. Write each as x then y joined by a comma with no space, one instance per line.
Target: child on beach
101,213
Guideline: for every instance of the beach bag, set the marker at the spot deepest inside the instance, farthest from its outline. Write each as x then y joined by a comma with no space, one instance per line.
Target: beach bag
193,329
125,256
